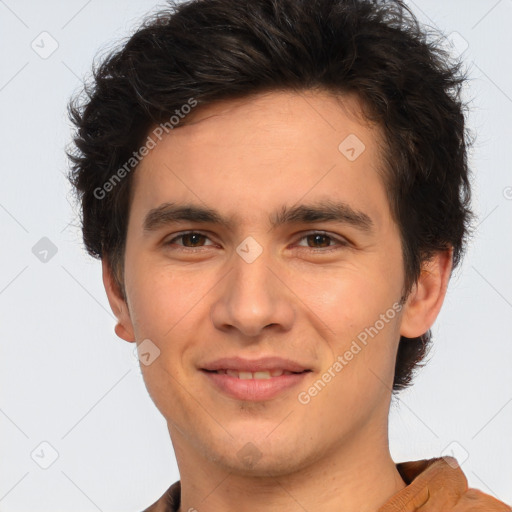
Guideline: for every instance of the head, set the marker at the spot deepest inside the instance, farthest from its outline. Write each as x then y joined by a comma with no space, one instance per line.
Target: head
259,114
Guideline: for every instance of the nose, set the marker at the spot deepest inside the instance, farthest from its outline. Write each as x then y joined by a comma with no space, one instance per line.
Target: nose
253,296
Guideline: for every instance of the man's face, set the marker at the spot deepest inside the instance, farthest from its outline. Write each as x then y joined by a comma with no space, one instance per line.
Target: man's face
295,287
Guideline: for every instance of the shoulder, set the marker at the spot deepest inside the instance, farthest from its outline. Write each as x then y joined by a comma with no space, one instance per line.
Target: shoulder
439,483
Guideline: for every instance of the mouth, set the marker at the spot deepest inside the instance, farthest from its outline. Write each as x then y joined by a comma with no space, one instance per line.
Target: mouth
254,380
258,375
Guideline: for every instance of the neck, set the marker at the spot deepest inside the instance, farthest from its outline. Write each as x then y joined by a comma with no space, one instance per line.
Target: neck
359,475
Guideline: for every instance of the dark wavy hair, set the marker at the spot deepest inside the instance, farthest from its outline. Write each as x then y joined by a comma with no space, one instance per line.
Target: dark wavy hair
210,50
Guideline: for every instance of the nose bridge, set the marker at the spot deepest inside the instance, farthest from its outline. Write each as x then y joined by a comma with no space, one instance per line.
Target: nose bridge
252,297
251,275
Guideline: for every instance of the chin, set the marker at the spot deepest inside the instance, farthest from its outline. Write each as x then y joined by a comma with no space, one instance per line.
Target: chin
261,459
266,466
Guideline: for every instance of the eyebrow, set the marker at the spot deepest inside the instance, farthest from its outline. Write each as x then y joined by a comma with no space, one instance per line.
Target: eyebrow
322,211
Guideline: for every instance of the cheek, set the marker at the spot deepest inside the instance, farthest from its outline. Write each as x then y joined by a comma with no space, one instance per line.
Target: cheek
358,308
347,299
159,297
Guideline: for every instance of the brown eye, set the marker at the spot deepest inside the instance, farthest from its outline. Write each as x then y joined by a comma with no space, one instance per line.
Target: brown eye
193,238
190,240
321,240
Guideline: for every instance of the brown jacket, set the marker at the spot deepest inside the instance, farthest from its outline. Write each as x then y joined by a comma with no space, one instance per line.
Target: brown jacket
433,485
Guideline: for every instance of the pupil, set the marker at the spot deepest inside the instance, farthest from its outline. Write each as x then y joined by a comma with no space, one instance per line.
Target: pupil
195,237
318,238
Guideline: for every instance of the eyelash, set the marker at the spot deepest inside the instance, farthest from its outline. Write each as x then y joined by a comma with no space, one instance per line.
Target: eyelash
342,242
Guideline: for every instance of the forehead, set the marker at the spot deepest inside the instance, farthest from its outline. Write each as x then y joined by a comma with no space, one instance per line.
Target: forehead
318,115
265,152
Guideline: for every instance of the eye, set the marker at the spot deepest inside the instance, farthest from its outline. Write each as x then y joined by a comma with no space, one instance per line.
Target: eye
190,239
316,240
323,240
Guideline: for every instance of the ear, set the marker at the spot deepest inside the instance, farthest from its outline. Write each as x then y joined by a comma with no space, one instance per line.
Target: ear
427,295
124,327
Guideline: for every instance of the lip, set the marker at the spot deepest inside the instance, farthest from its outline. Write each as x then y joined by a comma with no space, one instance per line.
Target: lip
254,365
254,389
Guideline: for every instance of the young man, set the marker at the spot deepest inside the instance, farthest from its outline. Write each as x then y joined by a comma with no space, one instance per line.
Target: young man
278,191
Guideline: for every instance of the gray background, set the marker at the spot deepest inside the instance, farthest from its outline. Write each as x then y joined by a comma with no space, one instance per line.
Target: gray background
67,380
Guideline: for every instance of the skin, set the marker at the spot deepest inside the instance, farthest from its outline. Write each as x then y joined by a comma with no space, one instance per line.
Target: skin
246,158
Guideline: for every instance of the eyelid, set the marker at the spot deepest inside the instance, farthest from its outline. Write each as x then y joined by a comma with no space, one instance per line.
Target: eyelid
342,241
338,238
184,233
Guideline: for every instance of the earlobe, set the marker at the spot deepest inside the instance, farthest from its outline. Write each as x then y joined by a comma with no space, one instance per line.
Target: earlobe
427,295
124,327
123,333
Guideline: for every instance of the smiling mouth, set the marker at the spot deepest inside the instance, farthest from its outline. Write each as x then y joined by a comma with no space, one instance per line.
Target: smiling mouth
262,374
259,385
